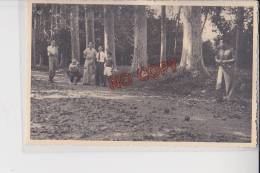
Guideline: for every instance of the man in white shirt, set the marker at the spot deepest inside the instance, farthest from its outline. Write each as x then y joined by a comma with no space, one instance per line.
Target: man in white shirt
100,61
89,72
53,59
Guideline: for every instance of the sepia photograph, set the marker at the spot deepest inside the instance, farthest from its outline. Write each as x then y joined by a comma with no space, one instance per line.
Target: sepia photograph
153,72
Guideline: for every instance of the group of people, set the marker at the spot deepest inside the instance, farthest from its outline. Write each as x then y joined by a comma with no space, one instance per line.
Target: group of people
97,67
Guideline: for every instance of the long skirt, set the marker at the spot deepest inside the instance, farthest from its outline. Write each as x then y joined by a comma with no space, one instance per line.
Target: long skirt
89,72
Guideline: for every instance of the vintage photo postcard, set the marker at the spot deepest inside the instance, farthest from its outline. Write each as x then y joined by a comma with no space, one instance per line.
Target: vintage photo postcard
152,73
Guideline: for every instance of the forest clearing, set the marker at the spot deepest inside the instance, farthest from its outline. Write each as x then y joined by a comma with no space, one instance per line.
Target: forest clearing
146,111
204,96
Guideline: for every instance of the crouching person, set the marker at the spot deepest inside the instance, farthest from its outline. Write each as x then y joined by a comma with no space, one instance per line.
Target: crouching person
74,72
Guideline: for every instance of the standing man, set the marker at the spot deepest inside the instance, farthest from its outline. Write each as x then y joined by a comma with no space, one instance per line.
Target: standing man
53,59
225,61
100,61
89,55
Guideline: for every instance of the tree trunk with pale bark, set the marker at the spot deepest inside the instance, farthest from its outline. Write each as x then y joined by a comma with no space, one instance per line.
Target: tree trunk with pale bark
74,25
140,58
163,35
109,32
192,59
176,32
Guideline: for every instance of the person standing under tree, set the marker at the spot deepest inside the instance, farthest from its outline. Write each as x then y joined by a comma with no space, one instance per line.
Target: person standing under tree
89,55
100,61
53,59
225,61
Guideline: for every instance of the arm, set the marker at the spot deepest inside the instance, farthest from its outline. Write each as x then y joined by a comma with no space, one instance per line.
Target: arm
230,60
217,59
48,50
231,57
84,53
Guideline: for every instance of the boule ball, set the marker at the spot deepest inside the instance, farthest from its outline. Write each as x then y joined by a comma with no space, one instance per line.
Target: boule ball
187,118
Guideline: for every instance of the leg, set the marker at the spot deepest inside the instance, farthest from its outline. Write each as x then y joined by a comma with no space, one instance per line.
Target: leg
51,66
88,73
105,80
97,74
101,73
219,78
70,75
85,73
54,68
230,84
219,84
227,79
78,77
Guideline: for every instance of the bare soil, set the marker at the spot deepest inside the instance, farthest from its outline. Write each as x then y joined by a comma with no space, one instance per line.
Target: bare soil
166,109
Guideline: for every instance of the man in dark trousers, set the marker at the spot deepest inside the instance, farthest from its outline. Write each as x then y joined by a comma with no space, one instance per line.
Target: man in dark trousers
100,61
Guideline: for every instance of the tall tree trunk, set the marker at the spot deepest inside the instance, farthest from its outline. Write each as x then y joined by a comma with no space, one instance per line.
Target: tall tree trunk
41,46
177,32
74,24
56,17
192,59
91,25
64,57
140,58
109,32
239,35
52,20
239,39
34,34
63,17
163,35
86,25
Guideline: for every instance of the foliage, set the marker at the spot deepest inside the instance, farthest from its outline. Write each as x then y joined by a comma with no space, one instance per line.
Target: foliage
47,22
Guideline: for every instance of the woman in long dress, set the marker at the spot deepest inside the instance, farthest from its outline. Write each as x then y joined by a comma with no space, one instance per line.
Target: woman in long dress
89,66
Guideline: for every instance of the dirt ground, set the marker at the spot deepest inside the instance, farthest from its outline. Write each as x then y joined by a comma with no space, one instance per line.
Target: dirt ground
165,109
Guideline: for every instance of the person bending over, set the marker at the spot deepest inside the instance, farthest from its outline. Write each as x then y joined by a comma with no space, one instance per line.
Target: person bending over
74,72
